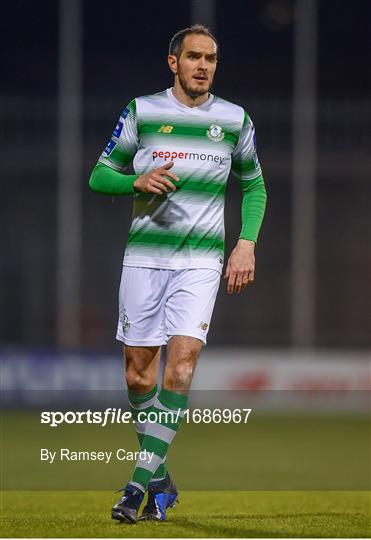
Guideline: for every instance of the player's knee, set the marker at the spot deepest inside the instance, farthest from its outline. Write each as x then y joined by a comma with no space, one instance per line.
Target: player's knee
181,374
136,381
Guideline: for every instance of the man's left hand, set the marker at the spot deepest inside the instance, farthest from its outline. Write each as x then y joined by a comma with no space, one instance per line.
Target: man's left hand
241,266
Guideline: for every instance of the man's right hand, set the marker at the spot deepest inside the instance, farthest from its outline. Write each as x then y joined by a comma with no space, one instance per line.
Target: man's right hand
155,181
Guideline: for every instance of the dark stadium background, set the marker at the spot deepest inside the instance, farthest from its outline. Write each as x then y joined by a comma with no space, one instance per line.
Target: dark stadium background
124,47
294,347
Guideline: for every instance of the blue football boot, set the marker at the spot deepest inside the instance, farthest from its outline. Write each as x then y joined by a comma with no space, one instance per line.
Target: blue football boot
162,495
126,509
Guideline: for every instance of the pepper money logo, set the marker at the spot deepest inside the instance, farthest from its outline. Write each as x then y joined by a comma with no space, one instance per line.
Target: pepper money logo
215,133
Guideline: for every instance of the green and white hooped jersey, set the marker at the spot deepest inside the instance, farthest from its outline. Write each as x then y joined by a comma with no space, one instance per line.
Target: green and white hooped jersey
184,228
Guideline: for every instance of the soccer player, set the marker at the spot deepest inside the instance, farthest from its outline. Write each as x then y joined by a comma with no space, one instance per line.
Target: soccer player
183,142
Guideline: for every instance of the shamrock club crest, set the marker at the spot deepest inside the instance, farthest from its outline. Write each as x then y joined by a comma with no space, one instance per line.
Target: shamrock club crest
215,133
124,319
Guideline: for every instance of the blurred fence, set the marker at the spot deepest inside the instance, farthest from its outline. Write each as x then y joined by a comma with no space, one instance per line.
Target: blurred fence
262,315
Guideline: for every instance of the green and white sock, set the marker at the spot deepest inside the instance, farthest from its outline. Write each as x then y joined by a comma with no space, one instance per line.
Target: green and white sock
159,435
143,403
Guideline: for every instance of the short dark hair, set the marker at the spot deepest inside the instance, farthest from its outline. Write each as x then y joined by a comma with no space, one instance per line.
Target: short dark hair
176,42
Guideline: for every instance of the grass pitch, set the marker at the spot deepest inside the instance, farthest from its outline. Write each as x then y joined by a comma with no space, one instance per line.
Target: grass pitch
223,514
307,477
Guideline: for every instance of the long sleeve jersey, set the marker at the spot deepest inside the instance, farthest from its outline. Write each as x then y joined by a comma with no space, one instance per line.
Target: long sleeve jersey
183,228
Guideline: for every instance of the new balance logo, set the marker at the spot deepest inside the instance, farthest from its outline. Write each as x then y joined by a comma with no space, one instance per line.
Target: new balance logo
165,129
203,326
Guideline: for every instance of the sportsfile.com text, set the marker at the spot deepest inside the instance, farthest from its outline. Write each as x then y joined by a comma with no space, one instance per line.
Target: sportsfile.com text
119,416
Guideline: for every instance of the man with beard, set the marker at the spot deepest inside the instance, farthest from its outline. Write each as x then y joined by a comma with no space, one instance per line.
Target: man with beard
183,142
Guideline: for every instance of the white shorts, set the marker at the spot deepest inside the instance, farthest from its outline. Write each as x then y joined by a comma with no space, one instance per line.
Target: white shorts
156,304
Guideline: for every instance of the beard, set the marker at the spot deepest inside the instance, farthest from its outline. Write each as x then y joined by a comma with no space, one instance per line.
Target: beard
188,90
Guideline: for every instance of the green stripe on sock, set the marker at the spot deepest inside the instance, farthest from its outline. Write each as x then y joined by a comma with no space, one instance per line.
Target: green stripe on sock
142,476
138,399
160,472
172,400
153,444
